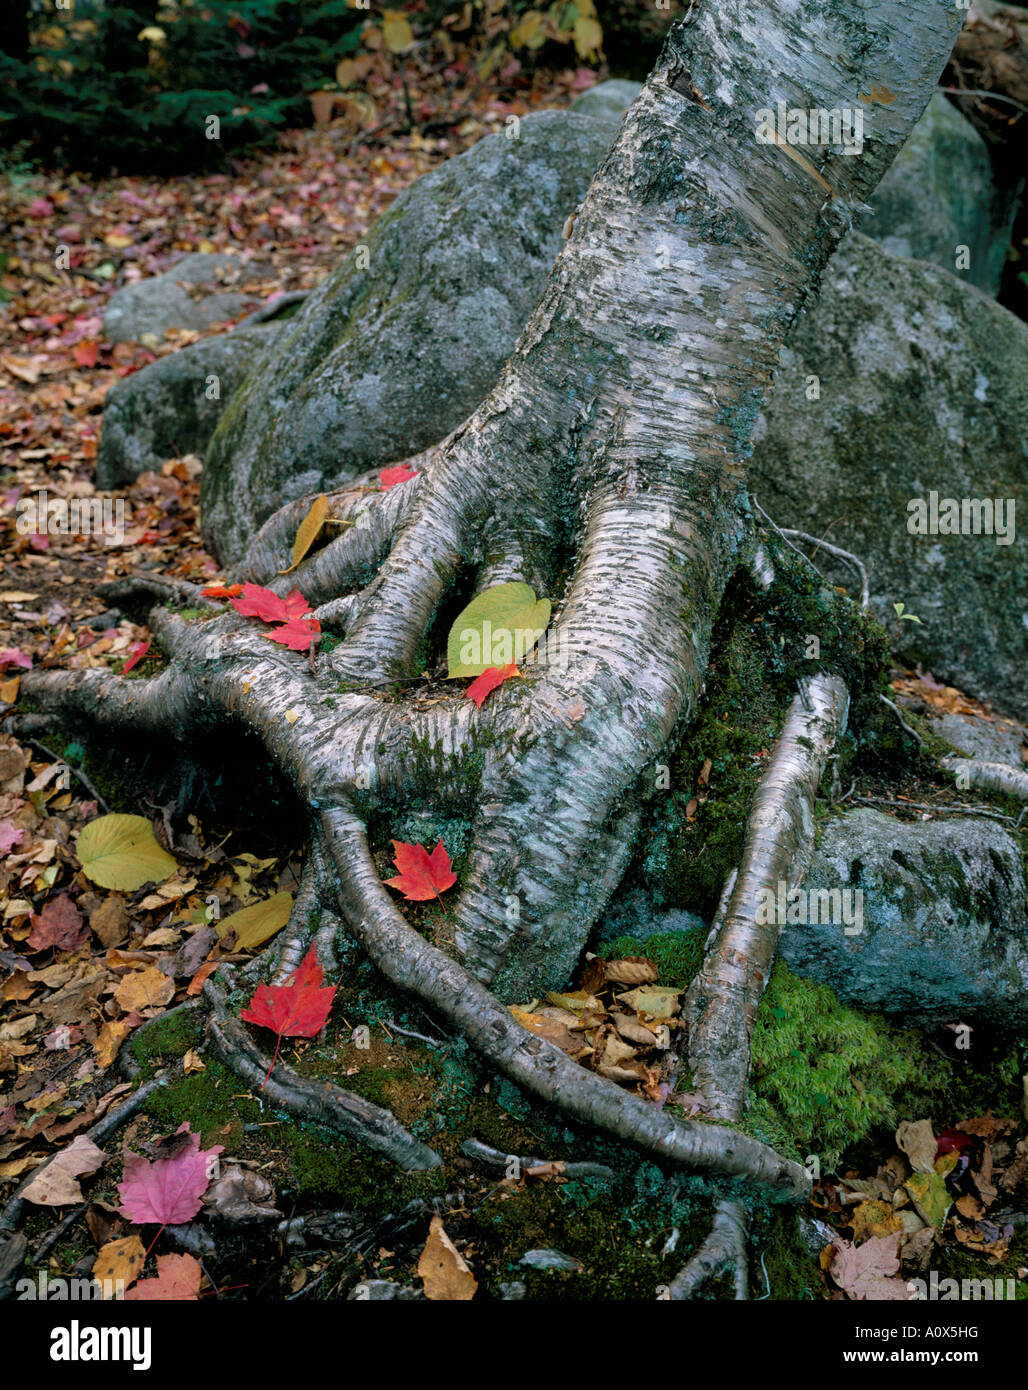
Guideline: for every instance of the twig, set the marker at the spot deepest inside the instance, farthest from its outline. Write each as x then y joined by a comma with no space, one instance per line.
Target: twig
73,770
419,1037
840,554
926,806
980,92
903,723
50,1240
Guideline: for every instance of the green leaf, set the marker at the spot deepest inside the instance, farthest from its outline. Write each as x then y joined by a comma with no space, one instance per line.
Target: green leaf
122,852
930,1196
255,925
501,625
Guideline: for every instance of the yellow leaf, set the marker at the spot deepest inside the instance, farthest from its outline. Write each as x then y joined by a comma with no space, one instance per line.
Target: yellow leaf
145,989
255,925
117,241
9,690
313,524
398,34
153,33
530,31
192,1061
122,852
443,1269
109,1040
118,1265
500,625
588,37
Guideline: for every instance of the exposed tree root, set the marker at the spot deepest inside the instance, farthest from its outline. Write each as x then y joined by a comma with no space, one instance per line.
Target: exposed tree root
504,1163
421,969
989,777
724,1248
722,1001
319,1102
721,1005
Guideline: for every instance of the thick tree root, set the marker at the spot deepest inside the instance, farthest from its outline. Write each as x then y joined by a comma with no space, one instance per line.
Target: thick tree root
421,969
722,1001
724,1248
721,1005
319,1102
989,777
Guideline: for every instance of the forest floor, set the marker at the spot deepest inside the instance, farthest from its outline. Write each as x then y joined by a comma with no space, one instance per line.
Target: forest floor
83,968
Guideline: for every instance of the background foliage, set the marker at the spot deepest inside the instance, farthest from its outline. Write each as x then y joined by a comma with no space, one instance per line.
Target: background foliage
131,85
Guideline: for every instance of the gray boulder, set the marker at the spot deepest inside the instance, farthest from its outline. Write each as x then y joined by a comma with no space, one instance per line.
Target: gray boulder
385,360
940,195
945,921
171,407
607,100
189,295
976,738
632,913
923,388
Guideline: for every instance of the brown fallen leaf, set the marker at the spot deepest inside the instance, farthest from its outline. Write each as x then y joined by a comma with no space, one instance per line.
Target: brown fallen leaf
59,925
633,970
917,1140
443,1270
145,989
56,1185
110,922
547,1028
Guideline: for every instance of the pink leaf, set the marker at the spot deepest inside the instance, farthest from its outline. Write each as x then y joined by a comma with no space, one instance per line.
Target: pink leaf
10,836
14,656
169,1190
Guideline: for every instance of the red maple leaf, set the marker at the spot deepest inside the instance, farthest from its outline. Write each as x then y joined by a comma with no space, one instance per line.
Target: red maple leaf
59,924
85,353
422,875
296,1010
488,681
297,634
168,1191
222,591
138,650
258,602
400,474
